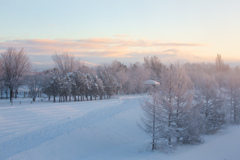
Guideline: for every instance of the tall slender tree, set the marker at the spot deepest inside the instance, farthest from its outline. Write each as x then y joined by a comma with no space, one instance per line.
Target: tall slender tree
150,119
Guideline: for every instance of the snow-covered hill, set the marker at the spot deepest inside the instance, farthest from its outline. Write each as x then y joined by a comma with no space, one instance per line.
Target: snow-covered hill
94,130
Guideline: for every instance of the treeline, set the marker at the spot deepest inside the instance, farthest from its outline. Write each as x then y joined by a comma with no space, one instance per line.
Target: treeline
192,100
71,79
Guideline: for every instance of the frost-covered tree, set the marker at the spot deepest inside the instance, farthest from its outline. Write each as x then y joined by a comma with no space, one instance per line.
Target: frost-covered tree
79,83
210,97
154,66
65,62
177,116
123,77
75,88
47,77
175,98
119,71
100,86
110,83
97,87
54,87
51,85
65,87
232,91
34,83
151,119
90,87
137,75
83,83
15,64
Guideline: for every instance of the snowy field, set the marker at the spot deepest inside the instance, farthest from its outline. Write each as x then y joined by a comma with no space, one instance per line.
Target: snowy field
94,130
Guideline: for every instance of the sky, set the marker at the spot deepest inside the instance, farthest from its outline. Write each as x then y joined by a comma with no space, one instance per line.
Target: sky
126,30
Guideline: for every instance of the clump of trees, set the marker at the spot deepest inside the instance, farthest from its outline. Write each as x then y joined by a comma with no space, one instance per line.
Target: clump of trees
79,86
72,79
192,100
171,113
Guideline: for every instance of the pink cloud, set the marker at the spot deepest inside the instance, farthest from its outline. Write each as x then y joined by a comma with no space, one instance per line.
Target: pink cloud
93,47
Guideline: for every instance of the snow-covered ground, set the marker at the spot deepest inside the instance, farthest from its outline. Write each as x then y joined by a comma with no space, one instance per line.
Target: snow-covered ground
105,129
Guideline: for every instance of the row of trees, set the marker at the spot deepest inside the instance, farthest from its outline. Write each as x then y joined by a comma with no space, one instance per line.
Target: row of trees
192,100
79,85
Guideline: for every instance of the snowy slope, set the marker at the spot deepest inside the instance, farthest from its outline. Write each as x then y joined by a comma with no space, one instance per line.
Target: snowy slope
93,130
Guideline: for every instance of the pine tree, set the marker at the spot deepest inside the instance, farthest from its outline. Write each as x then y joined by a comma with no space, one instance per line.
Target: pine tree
150,120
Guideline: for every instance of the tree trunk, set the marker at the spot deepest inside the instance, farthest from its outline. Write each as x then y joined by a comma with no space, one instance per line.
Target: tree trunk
6,93
153,136
54,99
169,124
16,93
235,113
11,94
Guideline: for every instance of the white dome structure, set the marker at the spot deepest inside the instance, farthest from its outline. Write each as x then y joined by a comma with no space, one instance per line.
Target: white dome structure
151,82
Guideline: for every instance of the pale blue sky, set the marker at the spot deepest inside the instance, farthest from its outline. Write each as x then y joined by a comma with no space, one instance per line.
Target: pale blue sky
211,24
